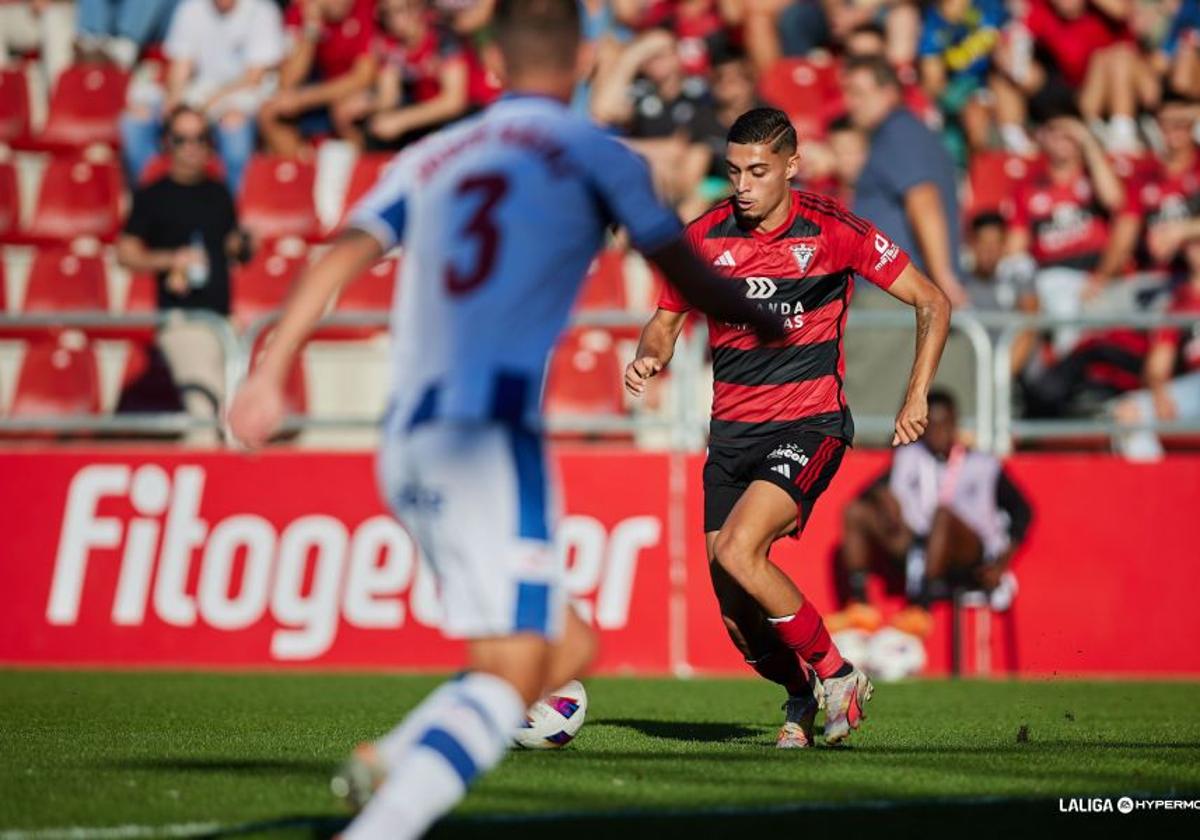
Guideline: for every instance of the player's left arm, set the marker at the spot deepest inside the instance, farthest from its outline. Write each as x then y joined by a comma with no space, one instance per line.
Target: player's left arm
933,325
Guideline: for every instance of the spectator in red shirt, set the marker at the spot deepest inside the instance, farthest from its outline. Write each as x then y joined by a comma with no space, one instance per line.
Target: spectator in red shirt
1089,47
329,62
422,81
1060,217
1172,372
1168,198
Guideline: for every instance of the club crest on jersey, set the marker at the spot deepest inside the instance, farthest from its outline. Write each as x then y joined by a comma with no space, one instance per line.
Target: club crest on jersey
803,255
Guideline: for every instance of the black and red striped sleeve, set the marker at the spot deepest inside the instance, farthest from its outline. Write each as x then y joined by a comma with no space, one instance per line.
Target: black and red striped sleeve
864,249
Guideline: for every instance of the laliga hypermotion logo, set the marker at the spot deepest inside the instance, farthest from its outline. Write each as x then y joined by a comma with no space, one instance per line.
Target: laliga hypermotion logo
308,576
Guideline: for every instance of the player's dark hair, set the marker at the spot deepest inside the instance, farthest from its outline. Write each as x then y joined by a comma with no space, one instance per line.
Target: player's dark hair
880,69
537,34
942,397
764,125
989,218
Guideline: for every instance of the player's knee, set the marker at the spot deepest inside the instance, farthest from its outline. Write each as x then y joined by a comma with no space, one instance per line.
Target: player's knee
734,553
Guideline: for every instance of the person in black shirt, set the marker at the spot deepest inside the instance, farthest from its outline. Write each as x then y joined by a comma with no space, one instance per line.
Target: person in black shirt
183,229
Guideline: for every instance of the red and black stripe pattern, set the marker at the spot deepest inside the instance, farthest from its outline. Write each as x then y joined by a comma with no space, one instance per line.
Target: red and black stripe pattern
803,271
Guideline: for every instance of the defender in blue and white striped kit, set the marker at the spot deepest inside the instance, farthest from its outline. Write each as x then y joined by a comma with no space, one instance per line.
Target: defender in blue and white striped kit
499,218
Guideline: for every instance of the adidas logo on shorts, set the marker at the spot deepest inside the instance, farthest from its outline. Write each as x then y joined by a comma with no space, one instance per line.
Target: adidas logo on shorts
784,470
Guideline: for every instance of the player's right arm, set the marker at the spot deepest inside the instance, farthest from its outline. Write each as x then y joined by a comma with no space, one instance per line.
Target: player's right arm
375,226
655,349
258,407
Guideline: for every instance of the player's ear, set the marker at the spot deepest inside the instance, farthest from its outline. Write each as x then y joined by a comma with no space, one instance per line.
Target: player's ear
793,165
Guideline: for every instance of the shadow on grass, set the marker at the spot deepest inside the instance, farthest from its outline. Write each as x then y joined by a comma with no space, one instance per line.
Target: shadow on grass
235,766
678,730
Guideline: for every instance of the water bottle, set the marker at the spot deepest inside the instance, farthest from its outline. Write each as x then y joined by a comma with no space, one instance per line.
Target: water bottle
198,272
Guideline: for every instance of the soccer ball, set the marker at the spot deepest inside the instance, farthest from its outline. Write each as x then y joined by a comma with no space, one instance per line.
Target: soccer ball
853,644
555,720
893,655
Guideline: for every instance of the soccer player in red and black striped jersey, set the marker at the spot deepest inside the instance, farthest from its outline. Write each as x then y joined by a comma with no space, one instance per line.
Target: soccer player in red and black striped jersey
780,423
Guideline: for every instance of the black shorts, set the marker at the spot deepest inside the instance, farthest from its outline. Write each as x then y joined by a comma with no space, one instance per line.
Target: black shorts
801,463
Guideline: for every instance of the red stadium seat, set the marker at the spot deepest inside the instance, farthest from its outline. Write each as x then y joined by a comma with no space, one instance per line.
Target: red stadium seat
10,200
84,108
57,377
3,287
604,286
807,90
991,179
14,106
277,198
60,281
143,294
260,286
584,375
366,172
77,198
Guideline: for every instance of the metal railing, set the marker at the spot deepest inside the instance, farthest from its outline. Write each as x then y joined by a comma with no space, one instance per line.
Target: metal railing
1009,428
103,325
684,420
678,422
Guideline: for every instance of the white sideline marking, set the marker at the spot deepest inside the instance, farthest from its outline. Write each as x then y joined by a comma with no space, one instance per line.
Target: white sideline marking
115,832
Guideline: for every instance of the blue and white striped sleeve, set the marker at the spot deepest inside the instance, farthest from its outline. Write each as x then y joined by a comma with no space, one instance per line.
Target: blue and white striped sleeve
382,212
621,180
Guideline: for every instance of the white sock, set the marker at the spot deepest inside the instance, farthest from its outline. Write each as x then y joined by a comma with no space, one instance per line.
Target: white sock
459,732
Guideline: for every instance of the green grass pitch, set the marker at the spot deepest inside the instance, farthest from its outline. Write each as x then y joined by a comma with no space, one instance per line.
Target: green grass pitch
249,754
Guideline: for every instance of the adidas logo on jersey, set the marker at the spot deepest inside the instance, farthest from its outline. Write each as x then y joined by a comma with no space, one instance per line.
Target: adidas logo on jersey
784,470
726,259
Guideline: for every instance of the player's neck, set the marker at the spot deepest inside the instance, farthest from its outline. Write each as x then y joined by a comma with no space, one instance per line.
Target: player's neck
551,86
775,219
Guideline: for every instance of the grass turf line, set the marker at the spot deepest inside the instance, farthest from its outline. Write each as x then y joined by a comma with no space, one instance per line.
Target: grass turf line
108,749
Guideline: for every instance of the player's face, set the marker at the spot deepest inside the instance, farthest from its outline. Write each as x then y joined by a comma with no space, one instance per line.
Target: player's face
760,178
943,428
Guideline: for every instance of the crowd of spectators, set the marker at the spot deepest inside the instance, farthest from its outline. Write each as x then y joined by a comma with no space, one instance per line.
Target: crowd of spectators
1094,101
